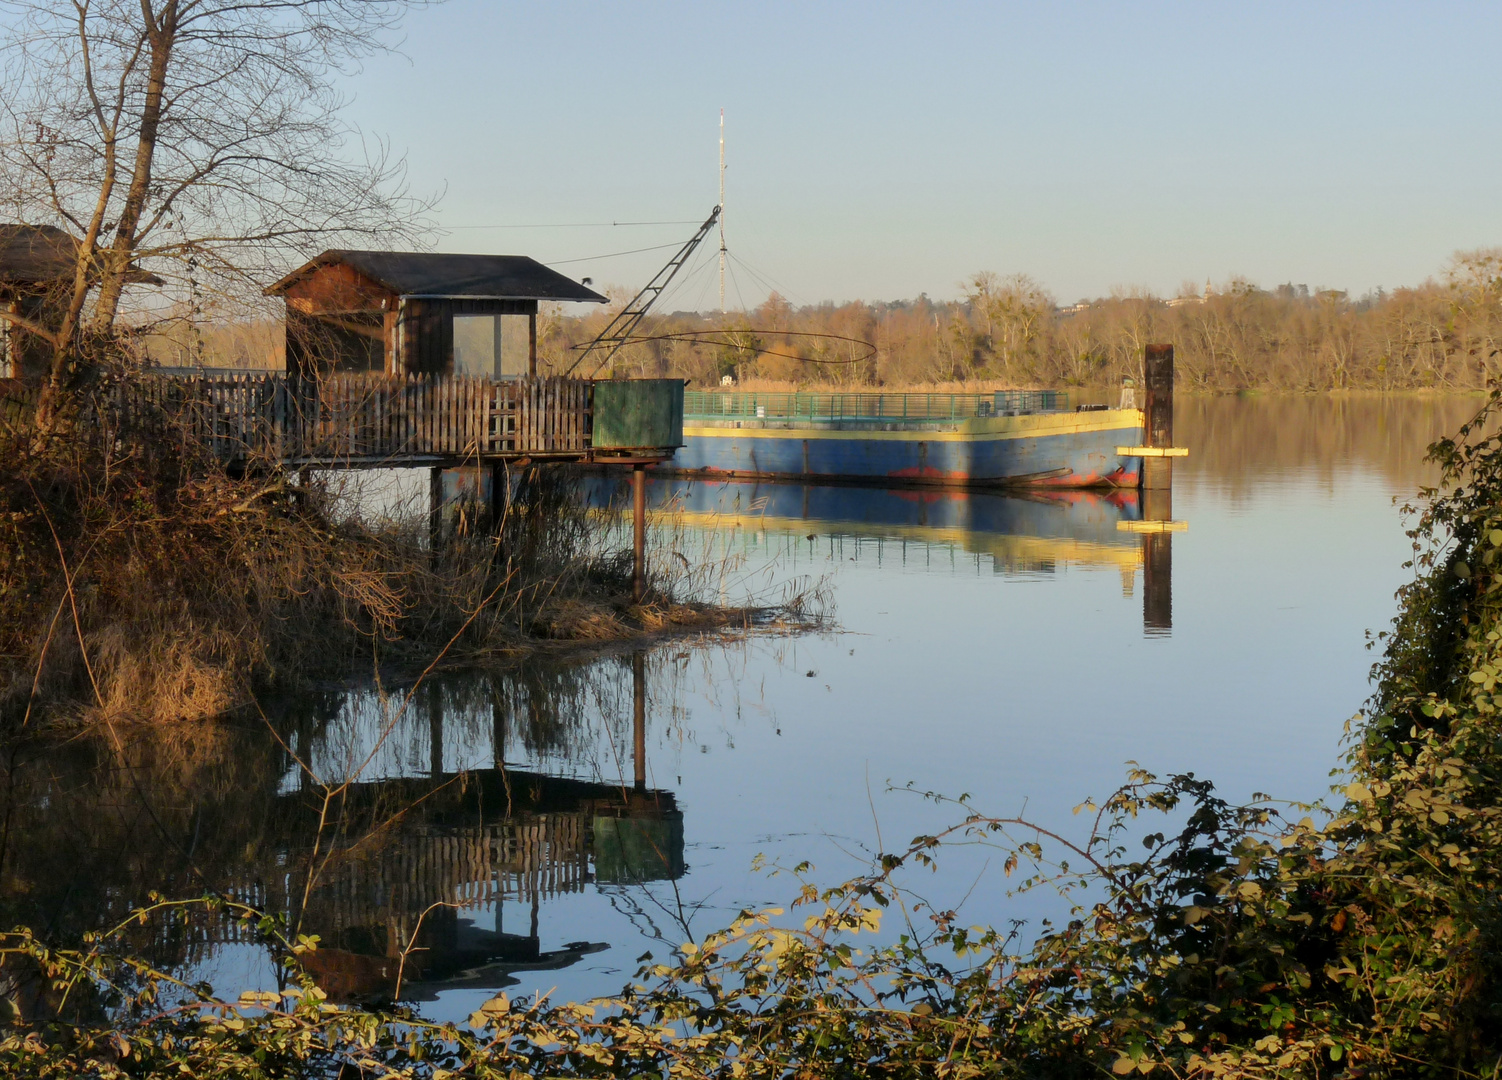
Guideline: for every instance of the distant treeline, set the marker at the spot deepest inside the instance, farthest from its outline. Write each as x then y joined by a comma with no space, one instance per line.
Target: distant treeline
1440,335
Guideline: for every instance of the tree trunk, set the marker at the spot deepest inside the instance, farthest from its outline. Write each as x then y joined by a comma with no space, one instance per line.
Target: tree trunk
116,260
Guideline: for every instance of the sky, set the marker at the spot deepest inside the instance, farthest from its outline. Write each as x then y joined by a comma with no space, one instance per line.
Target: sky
877,151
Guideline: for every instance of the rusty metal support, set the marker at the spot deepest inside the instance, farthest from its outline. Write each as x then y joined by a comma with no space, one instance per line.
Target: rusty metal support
1157,472
639,532
639,718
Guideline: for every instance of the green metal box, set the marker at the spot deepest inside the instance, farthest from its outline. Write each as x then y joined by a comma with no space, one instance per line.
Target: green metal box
638,413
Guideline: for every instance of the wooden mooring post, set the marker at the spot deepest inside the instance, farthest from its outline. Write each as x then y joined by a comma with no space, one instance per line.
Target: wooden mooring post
639,532
1157,405
1157,491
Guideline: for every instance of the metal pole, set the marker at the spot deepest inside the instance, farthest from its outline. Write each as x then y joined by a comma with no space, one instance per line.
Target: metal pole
639,532
722,211
639,718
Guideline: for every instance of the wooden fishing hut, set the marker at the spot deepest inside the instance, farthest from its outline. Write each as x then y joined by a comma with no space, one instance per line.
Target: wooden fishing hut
420,313
37,266
430,359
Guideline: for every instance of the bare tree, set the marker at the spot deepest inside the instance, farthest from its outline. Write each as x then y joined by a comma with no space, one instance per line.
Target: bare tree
201,140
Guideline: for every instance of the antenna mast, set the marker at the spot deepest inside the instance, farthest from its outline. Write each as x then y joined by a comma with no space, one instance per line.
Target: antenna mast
722,211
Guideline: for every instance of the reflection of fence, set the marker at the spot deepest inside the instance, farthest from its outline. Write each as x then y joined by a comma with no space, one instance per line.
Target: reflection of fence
526,859
873,408
529,858
369,418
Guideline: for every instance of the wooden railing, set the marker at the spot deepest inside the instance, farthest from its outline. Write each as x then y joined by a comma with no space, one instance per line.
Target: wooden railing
370,418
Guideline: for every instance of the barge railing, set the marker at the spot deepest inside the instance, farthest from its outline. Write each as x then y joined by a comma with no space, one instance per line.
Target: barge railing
867,408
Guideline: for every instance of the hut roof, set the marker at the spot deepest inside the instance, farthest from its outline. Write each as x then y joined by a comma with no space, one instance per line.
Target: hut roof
44,255
35,253
490,277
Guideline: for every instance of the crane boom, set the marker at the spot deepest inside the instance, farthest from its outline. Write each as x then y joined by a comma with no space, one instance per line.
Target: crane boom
619,331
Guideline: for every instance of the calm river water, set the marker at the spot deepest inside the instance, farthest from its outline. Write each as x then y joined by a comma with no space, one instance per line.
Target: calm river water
541,829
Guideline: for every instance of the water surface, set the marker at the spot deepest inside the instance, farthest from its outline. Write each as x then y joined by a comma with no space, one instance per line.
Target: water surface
541,828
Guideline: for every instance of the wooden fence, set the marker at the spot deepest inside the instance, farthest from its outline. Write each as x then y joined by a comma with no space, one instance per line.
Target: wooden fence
368,419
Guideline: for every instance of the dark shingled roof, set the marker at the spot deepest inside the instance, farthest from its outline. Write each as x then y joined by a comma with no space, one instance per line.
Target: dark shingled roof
43,255
492,277
35,253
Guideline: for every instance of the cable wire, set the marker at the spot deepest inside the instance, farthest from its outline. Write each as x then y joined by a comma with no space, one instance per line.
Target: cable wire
613,254
568,225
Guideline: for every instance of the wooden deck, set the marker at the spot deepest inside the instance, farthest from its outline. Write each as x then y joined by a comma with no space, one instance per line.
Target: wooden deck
365,421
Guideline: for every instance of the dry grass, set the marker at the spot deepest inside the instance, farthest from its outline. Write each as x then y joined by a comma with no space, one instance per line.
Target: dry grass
139,582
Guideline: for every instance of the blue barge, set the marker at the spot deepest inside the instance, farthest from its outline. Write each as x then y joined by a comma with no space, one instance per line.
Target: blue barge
1003,439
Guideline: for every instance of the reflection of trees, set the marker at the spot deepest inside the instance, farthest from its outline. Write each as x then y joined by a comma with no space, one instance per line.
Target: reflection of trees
375,866
88,833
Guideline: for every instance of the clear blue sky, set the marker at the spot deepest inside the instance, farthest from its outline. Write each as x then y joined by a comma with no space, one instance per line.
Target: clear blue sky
878,150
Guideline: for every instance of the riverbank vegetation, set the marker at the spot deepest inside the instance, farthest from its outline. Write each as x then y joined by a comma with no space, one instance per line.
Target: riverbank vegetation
139,580
1206,939
167,160
1010,331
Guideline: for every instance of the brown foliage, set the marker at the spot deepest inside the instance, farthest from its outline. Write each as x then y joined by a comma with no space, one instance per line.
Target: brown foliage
138,580
1010,332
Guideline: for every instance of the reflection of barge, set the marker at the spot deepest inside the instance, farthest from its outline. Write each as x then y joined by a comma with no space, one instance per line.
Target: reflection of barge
1021,533
1005,438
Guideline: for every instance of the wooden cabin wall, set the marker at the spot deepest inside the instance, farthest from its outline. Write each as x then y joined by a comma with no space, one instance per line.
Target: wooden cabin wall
29,356
339,320
353,341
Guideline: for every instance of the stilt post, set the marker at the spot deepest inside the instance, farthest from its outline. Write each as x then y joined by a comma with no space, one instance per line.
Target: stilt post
639,532
639,718
500,495
435,509
1157,472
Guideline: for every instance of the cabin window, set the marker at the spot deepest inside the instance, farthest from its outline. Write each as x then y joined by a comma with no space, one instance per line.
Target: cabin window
491,346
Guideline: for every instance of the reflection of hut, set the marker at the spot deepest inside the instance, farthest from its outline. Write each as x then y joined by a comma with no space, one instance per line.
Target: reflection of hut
394,883
419,313
37,264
